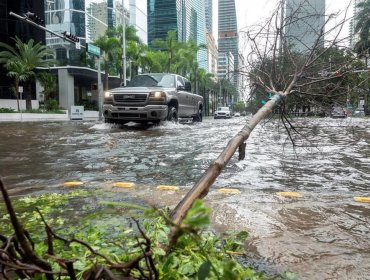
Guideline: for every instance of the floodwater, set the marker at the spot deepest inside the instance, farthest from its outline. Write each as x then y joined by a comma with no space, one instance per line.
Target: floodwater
325,234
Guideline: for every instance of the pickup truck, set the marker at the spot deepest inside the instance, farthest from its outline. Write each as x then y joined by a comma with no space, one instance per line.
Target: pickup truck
153,97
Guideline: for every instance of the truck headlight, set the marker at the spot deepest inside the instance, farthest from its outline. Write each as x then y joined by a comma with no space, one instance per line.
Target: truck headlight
108,94
108,97
157,96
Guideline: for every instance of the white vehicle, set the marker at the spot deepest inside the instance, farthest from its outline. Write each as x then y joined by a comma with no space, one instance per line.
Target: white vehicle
222,113
153,97
237,114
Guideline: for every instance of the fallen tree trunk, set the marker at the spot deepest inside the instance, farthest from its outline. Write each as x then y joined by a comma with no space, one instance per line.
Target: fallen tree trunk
200,189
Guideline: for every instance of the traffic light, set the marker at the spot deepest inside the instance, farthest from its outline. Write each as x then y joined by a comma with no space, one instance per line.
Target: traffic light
33,17
70,36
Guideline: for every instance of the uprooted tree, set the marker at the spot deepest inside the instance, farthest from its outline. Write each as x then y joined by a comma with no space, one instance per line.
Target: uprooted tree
275,65
287,66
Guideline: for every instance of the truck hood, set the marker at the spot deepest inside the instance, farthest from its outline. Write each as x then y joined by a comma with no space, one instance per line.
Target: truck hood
139,89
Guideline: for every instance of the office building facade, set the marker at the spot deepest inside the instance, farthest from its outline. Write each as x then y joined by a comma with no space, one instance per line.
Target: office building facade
228,40
139,18
304,22
209,15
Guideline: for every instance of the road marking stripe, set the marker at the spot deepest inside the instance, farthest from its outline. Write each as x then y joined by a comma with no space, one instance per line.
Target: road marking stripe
73,184
289,194
123,184
168,188
365,199
228,190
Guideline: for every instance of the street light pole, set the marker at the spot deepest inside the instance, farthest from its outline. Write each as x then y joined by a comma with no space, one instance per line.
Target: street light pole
123,44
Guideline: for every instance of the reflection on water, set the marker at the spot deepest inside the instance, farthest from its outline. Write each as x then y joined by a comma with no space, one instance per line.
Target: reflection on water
324,235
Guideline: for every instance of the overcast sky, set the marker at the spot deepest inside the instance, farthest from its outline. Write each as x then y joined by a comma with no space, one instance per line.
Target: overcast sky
251,13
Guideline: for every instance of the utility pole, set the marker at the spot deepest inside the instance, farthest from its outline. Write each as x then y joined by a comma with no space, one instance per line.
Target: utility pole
123,44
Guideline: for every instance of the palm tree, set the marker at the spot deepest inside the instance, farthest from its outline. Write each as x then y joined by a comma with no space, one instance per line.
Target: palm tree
157,61
170,46
137,55
115,55
108,45
22,60
18,71
48,81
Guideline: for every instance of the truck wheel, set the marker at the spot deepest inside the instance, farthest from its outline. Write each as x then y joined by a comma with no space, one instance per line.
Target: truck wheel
198,117
172,114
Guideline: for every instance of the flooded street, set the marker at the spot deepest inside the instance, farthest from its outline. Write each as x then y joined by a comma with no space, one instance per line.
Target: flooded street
325,234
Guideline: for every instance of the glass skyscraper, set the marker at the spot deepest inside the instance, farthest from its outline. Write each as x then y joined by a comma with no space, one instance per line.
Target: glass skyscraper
209,15
89,19
186,17
228,40
304,21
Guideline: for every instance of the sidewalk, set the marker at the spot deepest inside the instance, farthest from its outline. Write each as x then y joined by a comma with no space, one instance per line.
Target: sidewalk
34,117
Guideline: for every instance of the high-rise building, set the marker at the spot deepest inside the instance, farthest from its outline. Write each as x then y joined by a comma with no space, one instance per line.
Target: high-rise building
139,18
226,65
212,54
209,15
304,22
186,17
228,39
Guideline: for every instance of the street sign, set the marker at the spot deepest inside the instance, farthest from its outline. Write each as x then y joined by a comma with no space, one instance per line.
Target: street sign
93,49
78,45
77,113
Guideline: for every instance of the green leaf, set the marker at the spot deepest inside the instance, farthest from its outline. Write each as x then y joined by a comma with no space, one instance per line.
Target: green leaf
204,270
198,215
188,269
159,252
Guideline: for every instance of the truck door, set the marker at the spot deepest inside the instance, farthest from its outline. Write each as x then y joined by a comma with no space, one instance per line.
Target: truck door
183,97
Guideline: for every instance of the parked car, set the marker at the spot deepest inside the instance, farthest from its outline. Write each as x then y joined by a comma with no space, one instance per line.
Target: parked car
153,97
237,114
222,113
359,112
338,112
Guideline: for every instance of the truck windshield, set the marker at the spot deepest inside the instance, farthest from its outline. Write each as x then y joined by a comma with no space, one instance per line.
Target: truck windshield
152,80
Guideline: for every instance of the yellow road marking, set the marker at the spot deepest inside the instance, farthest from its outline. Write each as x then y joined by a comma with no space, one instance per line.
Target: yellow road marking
123,184
289,194
362,198
168,188
228,190
73,184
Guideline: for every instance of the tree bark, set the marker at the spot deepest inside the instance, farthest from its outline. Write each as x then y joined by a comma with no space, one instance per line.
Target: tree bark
17,93
28,98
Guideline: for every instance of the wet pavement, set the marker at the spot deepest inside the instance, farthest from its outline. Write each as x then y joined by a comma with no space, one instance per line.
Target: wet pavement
325,234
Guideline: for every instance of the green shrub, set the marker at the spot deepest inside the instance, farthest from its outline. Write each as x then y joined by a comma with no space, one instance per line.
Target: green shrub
52,105
199,253
7,110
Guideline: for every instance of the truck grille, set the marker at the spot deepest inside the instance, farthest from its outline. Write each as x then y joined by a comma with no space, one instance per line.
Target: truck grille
130,98
129,115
